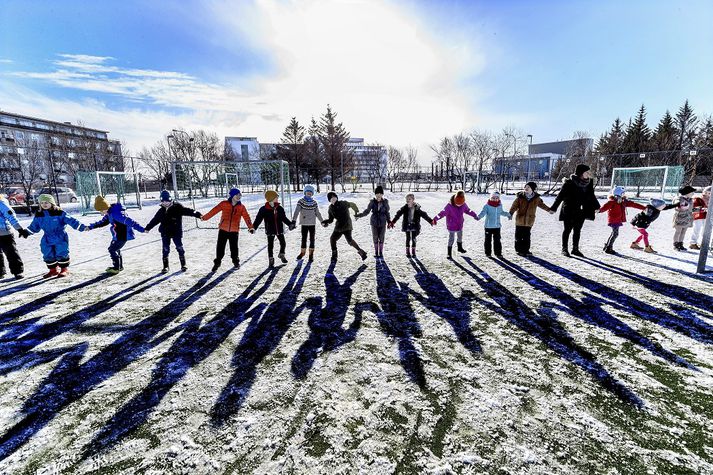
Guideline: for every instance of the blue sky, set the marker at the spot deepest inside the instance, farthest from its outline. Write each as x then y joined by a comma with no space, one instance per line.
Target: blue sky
398,73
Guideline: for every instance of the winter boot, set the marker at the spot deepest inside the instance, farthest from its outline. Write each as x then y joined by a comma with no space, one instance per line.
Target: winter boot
695,247
53,272
610,250
362,254
681,247
165,266
19,276
236,263
182,259
565,252
283,259
271,262
301,254
650,250
460,247
635,245
216,265
408,252
450,252
575,252
64,272
311,254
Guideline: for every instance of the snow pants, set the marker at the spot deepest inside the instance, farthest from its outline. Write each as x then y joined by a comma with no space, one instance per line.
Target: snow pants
223,238
492,239
698,225
55,254
115,252
9,249
177,241
522,239
271,244
680,234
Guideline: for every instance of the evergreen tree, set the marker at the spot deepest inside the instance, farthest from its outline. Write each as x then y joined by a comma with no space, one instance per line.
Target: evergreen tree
638,134
686,125
292,149
314,154
333,137
666,134
611,142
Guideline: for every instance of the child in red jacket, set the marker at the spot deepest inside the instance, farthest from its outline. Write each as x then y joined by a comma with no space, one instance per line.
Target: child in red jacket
700,212
616,209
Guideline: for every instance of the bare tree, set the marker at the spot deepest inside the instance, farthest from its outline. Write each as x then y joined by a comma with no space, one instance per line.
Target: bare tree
410,165
376,174
395,166
31,165
444,152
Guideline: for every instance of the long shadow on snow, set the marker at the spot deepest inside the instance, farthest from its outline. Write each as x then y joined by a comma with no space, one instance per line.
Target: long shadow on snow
195,344
545,328
261,337
692,275
325,322
70,380
398,320
590,310
440,300
9,290
688,325
46,299
19,338
691,297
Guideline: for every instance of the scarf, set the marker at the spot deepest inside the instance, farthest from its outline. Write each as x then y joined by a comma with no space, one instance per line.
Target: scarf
581,182
529,196
494,204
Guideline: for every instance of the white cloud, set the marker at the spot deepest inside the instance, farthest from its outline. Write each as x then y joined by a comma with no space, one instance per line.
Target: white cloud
376,63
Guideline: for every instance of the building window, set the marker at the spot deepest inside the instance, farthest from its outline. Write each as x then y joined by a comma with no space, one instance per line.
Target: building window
244,152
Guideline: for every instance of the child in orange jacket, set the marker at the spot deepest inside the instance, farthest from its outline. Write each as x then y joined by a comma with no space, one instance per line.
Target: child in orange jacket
616,217
232,212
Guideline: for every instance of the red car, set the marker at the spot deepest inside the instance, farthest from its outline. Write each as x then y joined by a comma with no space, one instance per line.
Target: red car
15,196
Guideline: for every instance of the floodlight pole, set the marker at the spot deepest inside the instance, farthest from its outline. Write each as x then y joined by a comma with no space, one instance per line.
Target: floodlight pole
707,231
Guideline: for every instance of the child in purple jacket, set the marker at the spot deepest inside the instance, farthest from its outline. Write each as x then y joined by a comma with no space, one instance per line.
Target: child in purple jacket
454,212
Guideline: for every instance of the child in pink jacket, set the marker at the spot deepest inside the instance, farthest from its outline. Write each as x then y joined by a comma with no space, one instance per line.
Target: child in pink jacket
454,212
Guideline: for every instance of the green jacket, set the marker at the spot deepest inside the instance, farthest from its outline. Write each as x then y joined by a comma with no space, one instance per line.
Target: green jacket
339,211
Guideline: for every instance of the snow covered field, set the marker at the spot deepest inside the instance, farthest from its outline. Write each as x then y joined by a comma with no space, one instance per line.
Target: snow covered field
542,365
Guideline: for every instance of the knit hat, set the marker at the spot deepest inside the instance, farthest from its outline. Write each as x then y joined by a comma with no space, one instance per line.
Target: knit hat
309,189
100,203
270,195
459,198
656,202
331,195
379,190
233,192
165,195
47,198
581,168
532,185
618,191
686,190
494,195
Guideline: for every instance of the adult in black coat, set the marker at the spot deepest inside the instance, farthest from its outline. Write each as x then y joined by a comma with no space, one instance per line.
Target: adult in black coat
169,219
578,204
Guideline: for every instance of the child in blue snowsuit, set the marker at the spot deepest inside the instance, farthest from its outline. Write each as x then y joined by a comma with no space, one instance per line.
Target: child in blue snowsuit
492,211
55,243
122,230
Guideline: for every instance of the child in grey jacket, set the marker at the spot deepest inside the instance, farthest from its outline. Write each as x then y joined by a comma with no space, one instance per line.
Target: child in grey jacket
380,218
308,212
492,211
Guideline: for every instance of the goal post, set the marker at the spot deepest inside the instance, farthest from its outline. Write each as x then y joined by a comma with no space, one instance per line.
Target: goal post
204,183
116,187
649,182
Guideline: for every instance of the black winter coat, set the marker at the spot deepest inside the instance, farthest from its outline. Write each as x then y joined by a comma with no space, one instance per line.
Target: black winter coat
274,219
339,211
649,215
170,220
415,225
380,212
577,202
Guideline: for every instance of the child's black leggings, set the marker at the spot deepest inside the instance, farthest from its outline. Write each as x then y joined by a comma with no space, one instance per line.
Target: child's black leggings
308,230
271,243
411,238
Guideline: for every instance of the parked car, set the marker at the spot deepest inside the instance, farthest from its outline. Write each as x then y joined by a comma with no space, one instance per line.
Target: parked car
15,196
66,195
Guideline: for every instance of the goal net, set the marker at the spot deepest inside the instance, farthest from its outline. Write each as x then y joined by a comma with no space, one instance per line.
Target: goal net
649,182
116,187
202,185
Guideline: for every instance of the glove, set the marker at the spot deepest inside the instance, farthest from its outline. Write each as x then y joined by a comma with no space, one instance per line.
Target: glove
433,222
199,215
325,223
251,231
82,228
552,211
390,225
23,232
292,227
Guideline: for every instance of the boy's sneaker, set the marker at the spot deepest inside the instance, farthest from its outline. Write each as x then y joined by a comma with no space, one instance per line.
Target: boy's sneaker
112,270
609,250
19,276
362,253
650,250
635,245
575,252
216,266
283,259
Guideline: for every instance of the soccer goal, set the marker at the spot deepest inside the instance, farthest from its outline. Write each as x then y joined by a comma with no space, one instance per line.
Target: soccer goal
649,182
116,187
204,184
